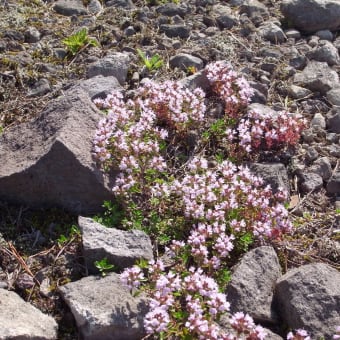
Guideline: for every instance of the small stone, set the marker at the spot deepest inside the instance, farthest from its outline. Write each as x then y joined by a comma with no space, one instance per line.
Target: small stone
174,31
317,76
183,61
333,185
129,31
32,35
310,182
40,88
115,65
325,52
121,248
94,6
333,96
70,7
292,33
325,35
319,121
273,33
323,168
311,154
333,119
298,92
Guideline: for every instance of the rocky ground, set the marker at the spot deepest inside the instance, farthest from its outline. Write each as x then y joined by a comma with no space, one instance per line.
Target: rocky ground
291,60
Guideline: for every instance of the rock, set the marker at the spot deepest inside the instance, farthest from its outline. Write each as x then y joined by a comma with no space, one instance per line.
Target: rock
121,248
325,35
298,92
274,174
333,185
183,61
48,162
311,154
317,76
199,79
333,119
115,65
254,8
32,35
273,33
308,297
310,182
333,96
299,62
323,168
99,86
251,287
70,7
174,31
292,33
104,309
14,35
126,4
312,15
94,6
223,16
171,9
326,52
318,121
20,320
40,88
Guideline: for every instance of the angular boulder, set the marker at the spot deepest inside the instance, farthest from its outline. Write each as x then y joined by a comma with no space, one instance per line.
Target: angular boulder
104,309
252,285
121,248
312,15
20,320
48,162
308,297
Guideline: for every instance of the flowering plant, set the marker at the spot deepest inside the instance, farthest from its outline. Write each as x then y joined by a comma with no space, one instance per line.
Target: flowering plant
197,209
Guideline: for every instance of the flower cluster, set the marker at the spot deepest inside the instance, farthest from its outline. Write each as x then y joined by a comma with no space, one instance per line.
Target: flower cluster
129,138
232,194
198,295
337,334
233,89
259,131
300,334
176,107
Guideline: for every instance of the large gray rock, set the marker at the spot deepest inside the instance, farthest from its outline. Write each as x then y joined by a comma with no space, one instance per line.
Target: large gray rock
317,76
48,162
312,15
20,320
309,297
115,65
104,309
121,248
251,287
